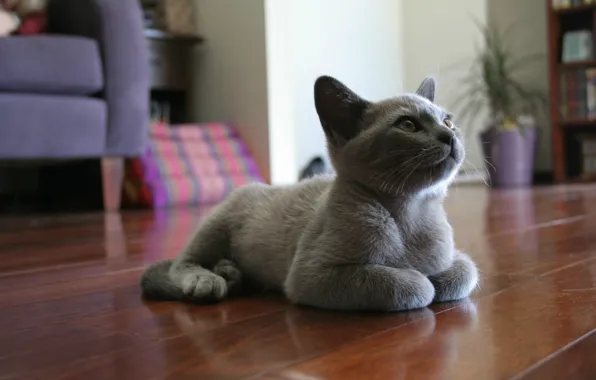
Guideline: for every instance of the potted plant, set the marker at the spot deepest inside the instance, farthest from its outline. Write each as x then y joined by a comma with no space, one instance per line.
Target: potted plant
509,137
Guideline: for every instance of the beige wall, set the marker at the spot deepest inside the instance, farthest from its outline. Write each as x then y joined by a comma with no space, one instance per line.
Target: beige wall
528,18
231,70
440,39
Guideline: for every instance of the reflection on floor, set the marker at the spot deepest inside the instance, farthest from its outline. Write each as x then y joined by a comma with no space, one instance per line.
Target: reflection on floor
70,304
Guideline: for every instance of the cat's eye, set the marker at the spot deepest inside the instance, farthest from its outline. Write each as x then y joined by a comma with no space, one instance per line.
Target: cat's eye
448,123
408,126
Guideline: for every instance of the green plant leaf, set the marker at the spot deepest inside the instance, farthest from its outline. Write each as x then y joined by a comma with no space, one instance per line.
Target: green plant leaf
492,79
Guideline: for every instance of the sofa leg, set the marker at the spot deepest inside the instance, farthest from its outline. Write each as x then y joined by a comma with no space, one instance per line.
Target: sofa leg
112,175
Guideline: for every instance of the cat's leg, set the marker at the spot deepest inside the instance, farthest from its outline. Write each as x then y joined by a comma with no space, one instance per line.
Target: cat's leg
358,287
193,270
230,272
458,281
181,279
190,276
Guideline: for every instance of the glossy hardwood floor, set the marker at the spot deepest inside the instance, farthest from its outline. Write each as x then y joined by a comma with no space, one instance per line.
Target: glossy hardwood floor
70,306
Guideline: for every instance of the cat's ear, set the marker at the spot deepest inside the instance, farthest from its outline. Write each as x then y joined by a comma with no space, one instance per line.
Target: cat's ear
339,108
427,88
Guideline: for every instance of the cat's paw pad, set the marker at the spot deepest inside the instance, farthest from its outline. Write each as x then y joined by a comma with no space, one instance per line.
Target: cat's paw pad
204,286
228,270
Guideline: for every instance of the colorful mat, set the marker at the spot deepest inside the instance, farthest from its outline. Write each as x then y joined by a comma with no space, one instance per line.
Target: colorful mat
193,164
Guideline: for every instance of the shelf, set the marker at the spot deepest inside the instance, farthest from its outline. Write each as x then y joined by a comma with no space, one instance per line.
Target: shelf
581,180
575,9
578,64
578,123
163,35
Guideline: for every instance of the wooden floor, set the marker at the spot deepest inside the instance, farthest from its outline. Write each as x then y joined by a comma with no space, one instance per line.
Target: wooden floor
70,306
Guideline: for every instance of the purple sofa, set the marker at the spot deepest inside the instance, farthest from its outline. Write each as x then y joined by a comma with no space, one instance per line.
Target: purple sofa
81,90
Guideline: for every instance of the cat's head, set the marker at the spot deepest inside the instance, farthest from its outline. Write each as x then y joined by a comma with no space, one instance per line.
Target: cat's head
403,145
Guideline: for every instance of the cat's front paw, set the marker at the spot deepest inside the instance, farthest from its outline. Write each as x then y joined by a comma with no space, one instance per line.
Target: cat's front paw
414,291
204,286
457,282
229,271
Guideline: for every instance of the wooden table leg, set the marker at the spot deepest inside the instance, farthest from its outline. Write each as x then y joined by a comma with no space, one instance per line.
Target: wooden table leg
112,175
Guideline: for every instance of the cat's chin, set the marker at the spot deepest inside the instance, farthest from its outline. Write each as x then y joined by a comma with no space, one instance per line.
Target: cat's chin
444,170
447,165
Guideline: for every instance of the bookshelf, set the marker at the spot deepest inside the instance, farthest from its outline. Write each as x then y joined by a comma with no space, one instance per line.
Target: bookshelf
572,65
171,67
573,92
567,7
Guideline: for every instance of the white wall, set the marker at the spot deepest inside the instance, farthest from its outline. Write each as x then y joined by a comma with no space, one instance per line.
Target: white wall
358,42
231,70
440,39
262,57
528,20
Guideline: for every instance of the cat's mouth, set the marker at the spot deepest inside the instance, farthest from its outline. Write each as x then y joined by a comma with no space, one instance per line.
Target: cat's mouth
450,156
448,162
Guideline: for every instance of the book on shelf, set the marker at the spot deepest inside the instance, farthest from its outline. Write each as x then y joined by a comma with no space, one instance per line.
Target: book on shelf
563,4
160,111
591,93
577,94
588,155
577,46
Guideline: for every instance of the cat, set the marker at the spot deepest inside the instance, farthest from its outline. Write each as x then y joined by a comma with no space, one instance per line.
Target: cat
373,236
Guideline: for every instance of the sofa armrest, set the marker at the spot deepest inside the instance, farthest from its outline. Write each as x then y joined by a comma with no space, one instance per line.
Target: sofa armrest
117,25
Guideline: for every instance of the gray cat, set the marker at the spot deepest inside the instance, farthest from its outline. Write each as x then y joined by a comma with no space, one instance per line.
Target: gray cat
373,237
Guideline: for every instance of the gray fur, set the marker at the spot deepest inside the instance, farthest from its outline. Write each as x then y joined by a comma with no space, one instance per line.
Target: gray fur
427,89
373,237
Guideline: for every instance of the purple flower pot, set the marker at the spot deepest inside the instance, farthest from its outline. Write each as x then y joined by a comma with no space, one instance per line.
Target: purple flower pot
509,156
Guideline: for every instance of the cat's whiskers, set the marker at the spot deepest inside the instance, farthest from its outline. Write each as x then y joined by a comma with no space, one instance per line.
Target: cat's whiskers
394,179
482,176
394,154
395,176
430,176
489,164
403,167
406,179
388,179
432,150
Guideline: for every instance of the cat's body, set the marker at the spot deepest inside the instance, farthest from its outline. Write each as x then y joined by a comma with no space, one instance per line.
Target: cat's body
373,237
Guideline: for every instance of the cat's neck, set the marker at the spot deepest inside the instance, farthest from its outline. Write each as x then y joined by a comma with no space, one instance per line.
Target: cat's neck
347,190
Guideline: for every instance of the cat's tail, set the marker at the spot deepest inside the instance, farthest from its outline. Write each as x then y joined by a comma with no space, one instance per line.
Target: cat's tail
156,283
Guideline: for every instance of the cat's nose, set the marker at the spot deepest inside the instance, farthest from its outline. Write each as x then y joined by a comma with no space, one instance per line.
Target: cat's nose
446,138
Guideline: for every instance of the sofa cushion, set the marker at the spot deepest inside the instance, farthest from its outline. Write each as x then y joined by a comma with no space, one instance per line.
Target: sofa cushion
50,126
50,64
